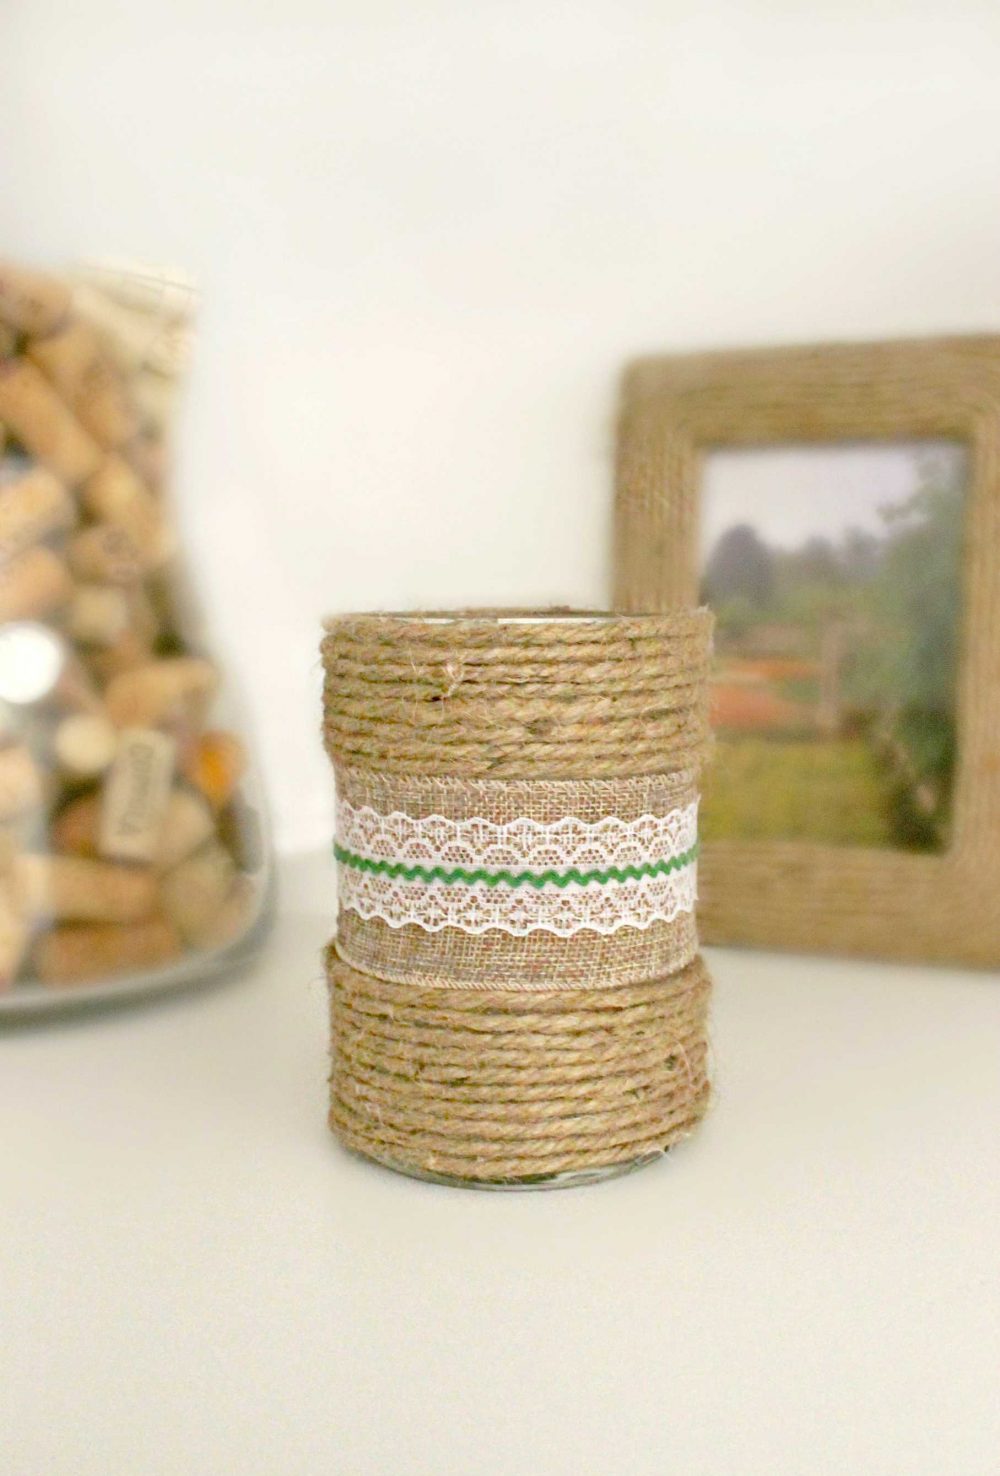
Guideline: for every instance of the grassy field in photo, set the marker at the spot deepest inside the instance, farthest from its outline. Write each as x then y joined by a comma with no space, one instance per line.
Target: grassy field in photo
831,793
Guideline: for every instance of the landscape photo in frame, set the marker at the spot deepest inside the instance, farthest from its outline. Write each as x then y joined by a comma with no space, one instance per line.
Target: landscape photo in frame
835,577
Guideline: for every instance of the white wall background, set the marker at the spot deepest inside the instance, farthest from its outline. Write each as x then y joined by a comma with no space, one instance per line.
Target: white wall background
430,231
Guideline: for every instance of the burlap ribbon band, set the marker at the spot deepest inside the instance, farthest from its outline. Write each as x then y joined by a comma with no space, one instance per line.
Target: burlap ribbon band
516,884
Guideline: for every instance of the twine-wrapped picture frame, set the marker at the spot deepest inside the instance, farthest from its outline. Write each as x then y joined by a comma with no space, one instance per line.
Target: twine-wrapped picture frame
929,888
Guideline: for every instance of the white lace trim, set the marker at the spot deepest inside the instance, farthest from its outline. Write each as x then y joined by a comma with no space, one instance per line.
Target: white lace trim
517,846
475,909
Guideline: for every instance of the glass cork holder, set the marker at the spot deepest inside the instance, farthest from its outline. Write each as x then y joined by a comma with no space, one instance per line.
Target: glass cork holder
134,851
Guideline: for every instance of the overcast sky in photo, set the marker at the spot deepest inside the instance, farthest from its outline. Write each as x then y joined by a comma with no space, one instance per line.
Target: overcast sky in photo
791,493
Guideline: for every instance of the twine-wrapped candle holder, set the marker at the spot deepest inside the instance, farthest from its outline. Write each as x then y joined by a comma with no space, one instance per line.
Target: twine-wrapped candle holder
516,993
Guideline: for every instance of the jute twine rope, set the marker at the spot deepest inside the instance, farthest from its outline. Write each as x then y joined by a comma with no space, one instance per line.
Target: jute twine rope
559,699
495,1086
436,1069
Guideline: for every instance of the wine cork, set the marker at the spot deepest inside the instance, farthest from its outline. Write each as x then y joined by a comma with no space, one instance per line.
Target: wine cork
75,829
86,952
149,457
31,302
43,424
136,793
135,339
187,824
166,296
73,360
97,614
75,888
127,653
75,690
65,356
114,494
240,830
34,583
143,620
105,554
32,508
173,607
15,930
215,763
173,690
193,892
84,745
22,786
155,398
26,832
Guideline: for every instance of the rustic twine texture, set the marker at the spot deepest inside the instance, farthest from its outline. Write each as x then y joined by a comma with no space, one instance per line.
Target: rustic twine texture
479,697
675,408
494,1086
493,1058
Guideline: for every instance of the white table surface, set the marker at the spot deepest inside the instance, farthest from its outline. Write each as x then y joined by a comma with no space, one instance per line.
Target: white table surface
196,1281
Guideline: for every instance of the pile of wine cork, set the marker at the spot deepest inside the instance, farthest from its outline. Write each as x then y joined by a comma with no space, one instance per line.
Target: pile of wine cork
126,836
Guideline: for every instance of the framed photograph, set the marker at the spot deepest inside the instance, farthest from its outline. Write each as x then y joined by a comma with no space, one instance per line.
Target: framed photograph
839,508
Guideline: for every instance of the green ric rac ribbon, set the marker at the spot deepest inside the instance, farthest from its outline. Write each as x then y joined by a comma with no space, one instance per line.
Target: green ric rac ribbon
458,876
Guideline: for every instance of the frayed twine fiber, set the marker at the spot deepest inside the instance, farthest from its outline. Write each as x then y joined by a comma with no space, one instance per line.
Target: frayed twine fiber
456,1076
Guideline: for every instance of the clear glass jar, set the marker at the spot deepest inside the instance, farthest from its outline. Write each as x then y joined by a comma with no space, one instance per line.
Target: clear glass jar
133,845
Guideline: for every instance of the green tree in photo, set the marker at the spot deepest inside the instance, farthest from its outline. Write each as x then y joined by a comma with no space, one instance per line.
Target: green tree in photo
909,667
741,567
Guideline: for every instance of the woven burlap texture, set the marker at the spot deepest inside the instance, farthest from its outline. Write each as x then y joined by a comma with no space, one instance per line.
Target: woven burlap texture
498,960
